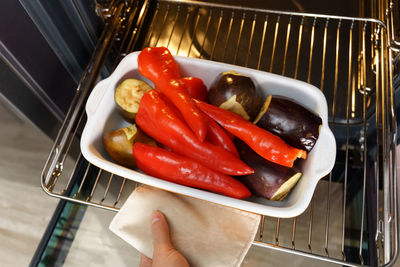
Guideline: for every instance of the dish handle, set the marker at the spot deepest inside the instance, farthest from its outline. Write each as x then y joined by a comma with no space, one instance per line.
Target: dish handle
95,97
328,155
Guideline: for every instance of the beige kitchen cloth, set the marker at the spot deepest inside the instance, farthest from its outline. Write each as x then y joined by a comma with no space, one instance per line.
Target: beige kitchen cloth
207,234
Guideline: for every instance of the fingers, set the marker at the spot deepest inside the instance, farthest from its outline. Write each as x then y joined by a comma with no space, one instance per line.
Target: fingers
164,255
160,230
145,261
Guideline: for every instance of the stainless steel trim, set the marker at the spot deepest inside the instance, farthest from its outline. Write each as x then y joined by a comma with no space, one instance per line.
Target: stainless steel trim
271,64
363,74
217,33
306,254
91,74
244,8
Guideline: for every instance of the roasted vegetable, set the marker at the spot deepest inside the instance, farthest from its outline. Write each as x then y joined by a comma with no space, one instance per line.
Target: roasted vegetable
269,180
127,96
119,143
172,167
267,145
159,121
196,88
218,136
236,93
295,124
158,65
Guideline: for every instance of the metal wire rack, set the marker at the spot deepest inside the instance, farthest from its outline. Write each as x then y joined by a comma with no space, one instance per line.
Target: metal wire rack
352,219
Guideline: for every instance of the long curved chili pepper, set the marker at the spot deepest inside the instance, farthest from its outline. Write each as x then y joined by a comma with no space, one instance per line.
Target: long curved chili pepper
158,65
157,120
169,166
196,88
267,145
217,136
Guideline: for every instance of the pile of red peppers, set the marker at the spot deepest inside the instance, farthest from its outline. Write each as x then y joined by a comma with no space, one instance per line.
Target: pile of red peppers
202,153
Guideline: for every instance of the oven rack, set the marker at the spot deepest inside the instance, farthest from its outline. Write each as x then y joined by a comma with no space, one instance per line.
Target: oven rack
352,219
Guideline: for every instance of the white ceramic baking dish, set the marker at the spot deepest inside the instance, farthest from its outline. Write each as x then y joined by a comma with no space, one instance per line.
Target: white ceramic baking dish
103,117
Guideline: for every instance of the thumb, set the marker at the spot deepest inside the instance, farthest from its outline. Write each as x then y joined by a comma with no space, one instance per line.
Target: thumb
160,230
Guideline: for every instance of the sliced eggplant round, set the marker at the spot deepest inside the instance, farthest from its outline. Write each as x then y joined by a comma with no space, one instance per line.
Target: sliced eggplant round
128,95
269,180
295,124
119,143
237,93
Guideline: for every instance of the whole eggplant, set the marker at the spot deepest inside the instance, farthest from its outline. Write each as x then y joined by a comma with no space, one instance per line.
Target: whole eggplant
295,124
269,180
237,93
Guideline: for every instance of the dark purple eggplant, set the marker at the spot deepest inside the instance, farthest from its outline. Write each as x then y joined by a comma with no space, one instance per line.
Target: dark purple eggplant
295,124
237,93
269,180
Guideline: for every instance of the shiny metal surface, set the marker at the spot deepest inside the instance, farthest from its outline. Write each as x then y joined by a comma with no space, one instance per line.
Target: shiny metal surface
348,58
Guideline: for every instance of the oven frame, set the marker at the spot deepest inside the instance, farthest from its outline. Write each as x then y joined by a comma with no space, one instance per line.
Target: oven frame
124,22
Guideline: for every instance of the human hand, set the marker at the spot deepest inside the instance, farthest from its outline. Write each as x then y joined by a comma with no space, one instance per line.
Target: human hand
164,254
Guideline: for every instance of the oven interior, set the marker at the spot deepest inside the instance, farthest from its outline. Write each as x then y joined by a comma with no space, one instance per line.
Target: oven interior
350,55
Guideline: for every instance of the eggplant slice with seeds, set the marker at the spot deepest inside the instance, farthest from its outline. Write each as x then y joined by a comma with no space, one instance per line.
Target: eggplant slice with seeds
128,95
269,180
237,93
295,124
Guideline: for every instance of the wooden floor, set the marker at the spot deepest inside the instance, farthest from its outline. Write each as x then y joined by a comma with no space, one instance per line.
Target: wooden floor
25,211
24,207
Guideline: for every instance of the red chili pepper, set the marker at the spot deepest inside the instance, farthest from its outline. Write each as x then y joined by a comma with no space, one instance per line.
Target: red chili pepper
267,145
195,88
158,65
217,136
171,106
169,166
157,120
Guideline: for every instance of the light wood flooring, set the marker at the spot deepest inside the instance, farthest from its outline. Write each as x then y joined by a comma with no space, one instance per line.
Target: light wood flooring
24,207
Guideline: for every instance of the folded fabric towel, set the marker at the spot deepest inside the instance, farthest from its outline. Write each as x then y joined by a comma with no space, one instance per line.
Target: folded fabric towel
207,234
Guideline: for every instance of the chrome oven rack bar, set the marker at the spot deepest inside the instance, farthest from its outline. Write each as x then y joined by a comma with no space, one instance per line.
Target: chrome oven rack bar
352,219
